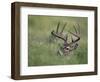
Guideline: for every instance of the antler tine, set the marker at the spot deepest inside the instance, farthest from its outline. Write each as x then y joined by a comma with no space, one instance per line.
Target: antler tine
72,39
56,35
74,34
75,29
63,28
66,37
78,28
57,27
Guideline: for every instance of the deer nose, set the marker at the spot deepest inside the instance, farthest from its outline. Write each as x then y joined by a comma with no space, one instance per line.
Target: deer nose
67,48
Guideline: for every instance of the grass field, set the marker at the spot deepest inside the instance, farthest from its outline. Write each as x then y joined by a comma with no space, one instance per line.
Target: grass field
42,52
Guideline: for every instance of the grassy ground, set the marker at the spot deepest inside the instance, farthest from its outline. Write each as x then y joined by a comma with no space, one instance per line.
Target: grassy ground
42,52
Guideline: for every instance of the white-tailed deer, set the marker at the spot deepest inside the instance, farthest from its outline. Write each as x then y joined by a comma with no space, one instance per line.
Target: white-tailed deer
67,47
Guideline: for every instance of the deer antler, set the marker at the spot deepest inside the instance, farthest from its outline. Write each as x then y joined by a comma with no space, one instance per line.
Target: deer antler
77,35
59,34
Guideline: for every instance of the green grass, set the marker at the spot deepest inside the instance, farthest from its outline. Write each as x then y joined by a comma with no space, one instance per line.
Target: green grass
41,52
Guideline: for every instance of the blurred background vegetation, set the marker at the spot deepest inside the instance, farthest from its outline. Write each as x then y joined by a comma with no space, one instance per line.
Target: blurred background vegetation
41,52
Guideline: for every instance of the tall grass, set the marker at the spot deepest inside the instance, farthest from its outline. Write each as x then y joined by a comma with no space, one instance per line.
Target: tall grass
41,52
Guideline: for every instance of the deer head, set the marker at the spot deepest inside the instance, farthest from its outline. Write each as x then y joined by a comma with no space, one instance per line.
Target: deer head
67,47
